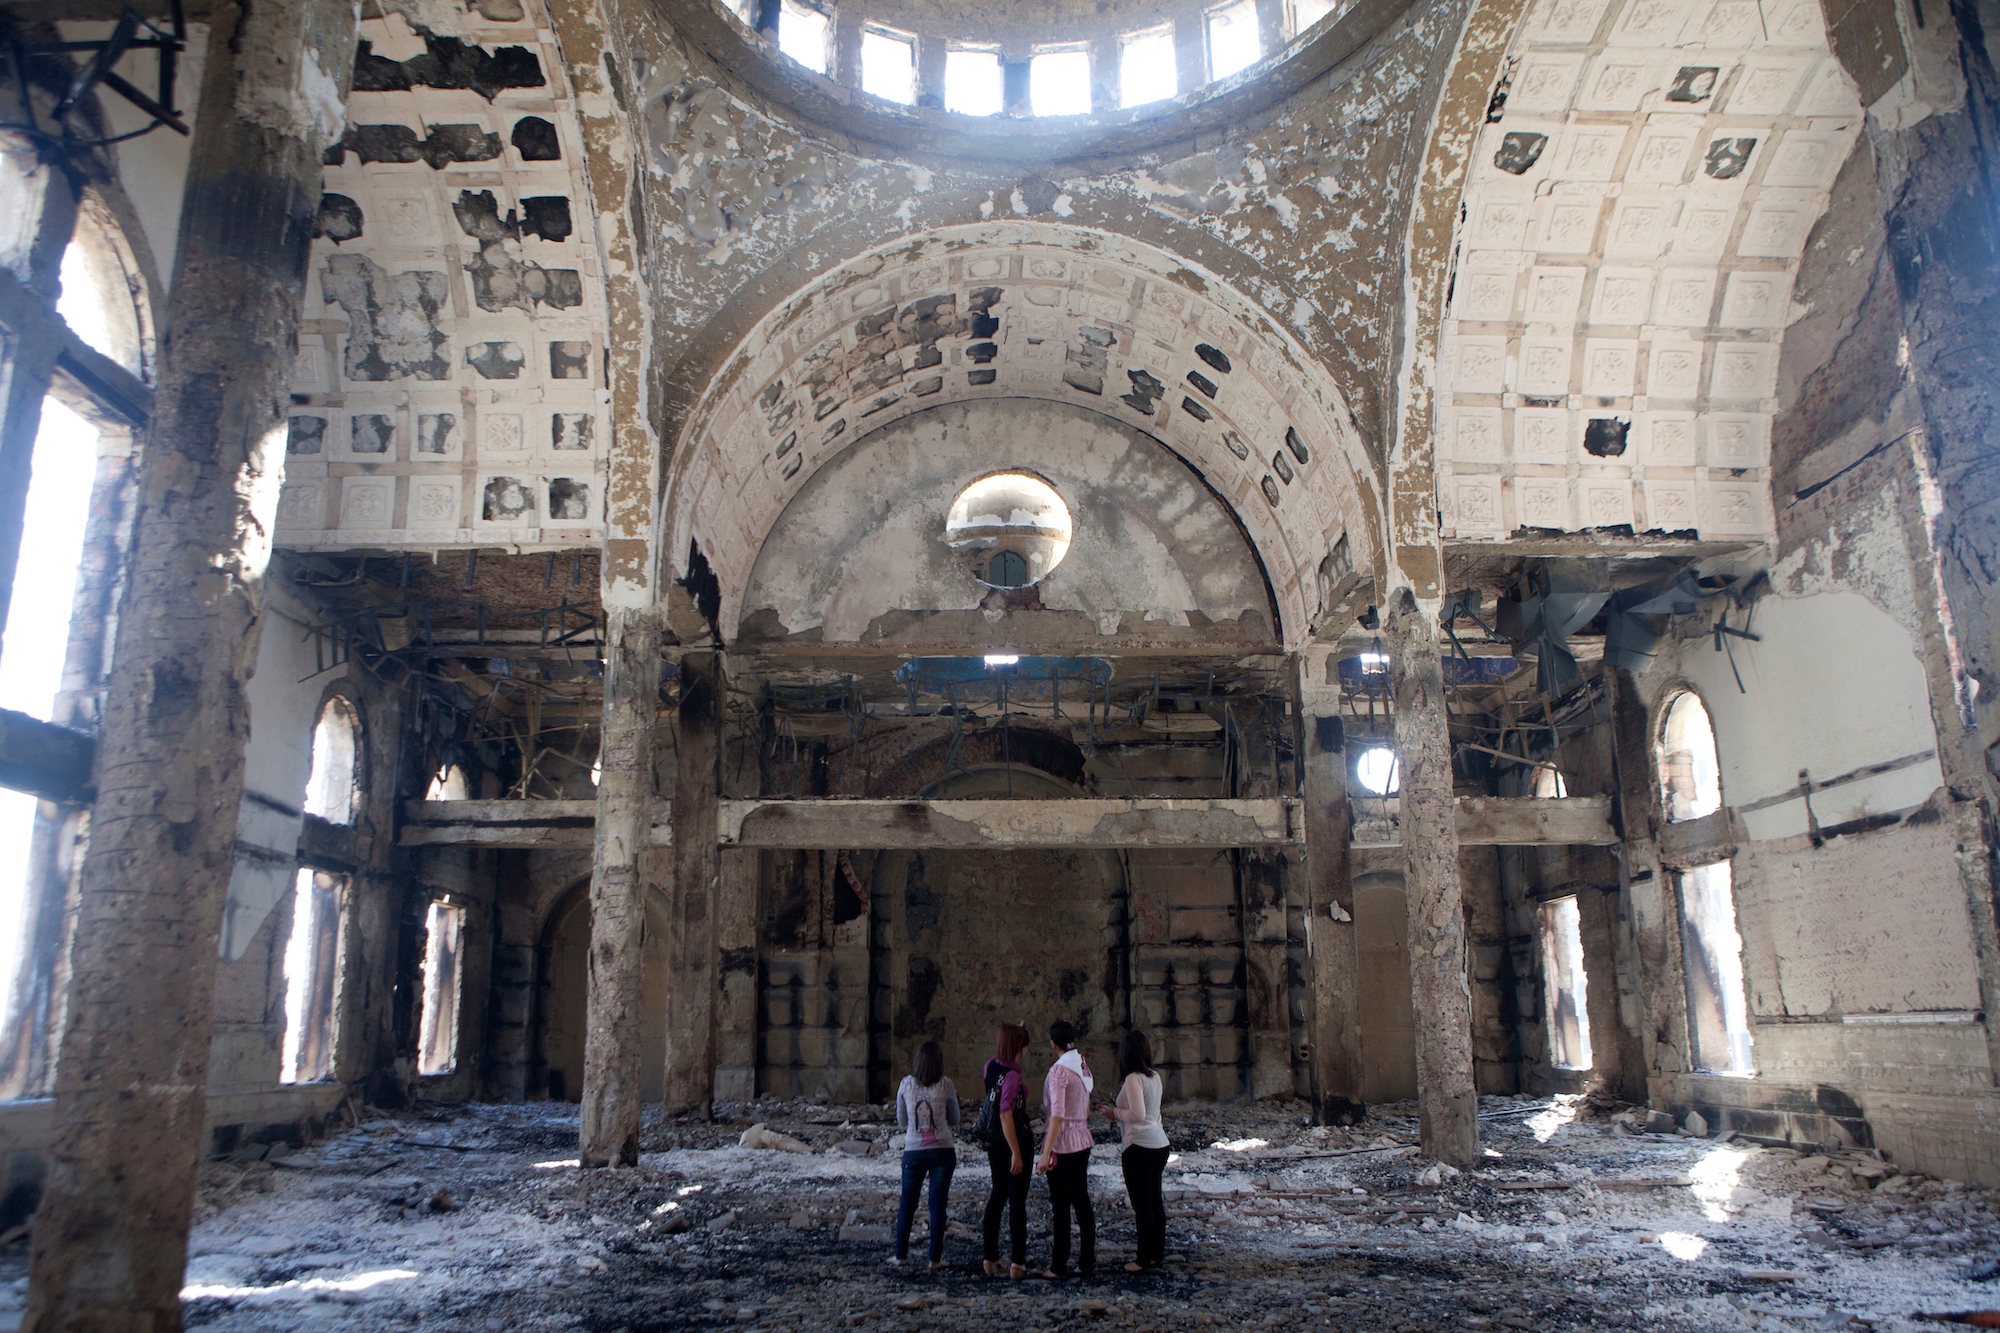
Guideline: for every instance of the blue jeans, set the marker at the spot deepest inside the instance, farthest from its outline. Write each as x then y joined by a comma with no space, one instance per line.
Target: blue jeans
938,1164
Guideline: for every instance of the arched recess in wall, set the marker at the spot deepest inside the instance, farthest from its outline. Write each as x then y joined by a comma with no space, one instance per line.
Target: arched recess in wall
562,979
104,297
334,785
1031,310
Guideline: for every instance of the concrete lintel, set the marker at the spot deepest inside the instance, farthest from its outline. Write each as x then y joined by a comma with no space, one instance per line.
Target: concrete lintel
1511,821
1010,825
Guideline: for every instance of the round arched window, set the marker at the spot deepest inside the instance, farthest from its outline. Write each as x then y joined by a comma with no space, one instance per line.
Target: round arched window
1013,527
331,788
1690,773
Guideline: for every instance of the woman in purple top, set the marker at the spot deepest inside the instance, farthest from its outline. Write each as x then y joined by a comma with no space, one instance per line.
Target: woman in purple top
1065,1155
1007,1154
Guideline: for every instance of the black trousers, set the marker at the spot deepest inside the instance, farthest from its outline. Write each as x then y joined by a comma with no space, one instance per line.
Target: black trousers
1143,1169
1069,1188
1009,1195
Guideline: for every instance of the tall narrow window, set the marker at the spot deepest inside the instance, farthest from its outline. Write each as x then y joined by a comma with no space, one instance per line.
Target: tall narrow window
1690,773
1233,43
449,784
1059,83
330,790
98,297
312,978
437,1033
973,83
802,35
1549,784
1712,959
1305,13
1147,68
1563,984
889,65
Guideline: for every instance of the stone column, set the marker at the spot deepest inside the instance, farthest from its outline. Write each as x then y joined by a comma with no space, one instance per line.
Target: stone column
738,874
131,1084
1650,904
1336,1013
1447,1106
625,800
691,997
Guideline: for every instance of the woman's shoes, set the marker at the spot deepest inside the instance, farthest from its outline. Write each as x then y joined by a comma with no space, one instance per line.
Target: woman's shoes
992,1269
1016,1271
939,1265
1135,1268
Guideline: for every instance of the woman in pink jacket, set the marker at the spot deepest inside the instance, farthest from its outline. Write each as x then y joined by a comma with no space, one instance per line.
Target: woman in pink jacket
1065,1156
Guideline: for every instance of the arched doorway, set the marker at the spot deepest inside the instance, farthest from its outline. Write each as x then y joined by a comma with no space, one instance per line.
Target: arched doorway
962,941
564,989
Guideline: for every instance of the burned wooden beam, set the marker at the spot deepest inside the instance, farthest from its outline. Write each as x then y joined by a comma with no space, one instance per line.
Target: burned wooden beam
44,759
1011,825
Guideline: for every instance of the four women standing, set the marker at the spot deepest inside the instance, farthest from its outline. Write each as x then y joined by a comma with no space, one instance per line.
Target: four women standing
927,1109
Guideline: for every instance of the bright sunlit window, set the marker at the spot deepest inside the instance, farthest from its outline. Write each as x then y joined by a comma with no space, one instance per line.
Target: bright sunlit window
1549,784
1147,68
1378,771
1563,986
95,297
437,1035
1233,43
449,784
312,978
1305,13
1712,959
802,35
1690,773
889,65
336,746
1003,659
973,82
1059,83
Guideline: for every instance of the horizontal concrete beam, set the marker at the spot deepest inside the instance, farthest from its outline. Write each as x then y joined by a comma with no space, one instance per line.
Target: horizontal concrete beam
44,759
1010,825
1506,821
886,825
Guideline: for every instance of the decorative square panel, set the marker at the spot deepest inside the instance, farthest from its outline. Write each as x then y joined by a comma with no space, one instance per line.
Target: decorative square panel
367,502
1685,298
1651,23
1622,296
1590,153
1484,294
1541,502
1543,83
1704,229
1604,502
407,220
1744,371
1554,294
1733,23
1639,224
1544,370
433,502
1566,20
1618,81
500,433
1670,506
1829,92
1541,435
1738,439
1674,370
1806,158
1609,367
1472,435
1778,222
1482,365
1662,155
1667,439
1766,86
1755,300
302,505
1569,224
1476,505
1733,508
1496,221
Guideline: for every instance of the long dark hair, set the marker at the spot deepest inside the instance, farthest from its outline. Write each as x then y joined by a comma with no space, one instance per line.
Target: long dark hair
929,1066
1135,1054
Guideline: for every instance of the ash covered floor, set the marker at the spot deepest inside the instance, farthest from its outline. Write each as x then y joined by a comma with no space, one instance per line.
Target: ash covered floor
477,1219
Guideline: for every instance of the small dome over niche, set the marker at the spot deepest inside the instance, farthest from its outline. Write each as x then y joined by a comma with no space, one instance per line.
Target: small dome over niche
1012,527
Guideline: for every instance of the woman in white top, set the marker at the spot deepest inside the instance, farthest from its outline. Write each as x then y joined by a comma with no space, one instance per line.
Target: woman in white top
926,1111
1144,1157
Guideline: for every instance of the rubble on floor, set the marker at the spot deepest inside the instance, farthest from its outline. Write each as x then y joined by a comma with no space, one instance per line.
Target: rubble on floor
477,1218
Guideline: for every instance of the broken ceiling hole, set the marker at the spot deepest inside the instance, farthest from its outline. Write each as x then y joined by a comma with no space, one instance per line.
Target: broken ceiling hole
339,218
1196,410
535,140
1297,445
1010,514
1605,436
1213,357
1236,445
1283,467
1201,382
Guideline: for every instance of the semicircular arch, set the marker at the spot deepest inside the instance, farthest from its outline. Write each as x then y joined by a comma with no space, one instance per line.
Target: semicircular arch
1031,310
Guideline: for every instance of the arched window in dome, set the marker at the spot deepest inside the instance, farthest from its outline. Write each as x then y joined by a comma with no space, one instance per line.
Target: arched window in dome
1014,526
1305,13
804,34
889,64
1148,69
1059,82
974,84
1233,41
334,783
1690,773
